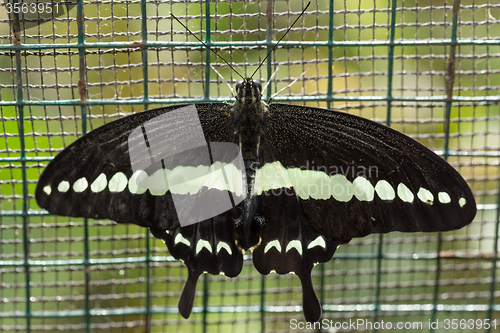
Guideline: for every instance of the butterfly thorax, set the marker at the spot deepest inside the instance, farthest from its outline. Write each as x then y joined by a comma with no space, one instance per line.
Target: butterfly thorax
248,115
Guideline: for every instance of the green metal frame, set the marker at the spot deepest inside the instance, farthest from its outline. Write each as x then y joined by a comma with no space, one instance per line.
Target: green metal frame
82,46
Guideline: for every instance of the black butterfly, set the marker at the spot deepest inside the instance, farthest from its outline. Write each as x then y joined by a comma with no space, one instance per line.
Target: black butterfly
312,179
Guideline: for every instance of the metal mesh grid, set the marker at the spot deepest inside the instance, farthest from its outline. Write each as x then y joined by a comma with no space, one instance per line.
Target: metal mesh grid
418,66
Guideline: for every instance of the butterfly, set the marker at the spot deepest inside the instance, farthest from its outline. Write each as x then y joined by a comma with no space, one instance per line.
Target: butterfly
304,181
288,183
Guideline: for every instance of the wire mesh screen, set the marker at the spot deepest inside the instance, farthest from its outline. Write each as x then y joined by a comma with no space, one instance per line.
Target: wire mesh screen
426,68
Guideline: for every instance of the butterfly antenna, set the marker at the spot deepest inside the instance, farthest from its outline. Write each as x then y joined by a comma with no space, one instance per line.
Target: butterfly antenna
276,45
208,47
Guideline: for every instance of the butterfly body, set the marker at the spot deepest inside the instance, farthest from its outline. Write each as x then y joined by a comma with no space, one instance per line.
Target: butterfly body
248,114
310,180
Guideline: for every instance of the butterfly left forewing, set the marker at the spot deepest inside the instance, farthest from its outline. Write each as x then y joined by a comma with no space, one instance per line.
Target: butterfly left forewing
354,177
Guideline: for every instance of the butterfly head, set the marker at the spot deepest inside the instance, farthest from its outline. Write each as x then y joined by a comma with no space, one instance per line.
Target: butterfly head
248,91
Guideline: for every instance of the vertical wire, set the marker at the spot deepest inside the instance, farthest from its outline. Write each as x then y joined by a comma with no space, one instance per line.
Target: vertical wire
208,37
269,47
208,42
145,75
82,89
329,96
329,92
22,144
494,260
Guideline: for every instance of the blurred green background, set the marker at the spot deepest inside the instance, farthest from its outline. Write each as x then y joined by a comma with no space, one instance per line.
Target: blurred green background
384,60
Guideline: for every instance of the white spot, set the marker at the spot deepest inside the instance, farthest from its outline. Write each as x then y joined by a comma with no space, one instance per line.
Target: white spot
180,239
118,182
462,202
319,241
203,244
47,189
63,186
215,178
225,246
80,185
425,196
275,243
295,244
444,197
385,190
158,184
404,193
271,176
183,180
235,180
186,179
99,183
310,183
342,189
138,182
363,189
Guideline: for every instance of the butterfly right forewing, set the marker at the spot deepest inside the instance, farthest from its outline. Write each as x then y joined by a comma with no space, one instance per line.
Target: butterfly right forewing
93,176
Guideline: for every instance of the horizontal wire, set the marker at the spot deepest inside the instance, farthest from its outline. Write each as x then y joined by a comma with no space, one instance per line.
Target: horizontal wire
182,45
405,308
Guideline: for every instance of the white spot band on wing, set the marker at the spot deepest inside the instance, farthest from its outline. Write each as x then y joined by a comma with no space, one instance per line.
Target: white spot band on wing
306,183
318,185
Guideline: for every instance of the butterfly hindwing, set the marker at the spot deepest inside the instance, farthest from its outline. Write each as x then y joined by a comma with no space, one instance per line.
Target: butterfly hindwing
354,177
289,244
93,176
207,246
